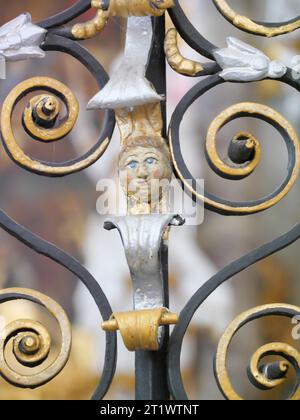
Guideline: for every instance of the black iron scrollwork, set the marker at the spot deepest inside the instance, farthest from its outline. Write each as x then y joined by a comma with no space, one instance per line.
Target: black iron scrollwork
244,155
39,121
238,266
36,129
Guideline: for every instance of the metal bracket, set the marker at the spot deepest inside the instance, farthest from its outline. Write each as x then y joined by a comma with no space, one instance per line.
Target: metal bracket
140,329
143,237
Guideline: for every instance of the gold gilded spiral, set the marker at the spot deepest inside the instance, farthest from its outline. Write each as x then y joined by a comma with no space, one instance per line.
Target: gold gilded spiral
39,119
246,167
248,25
32,342
219,122
259,376
31,346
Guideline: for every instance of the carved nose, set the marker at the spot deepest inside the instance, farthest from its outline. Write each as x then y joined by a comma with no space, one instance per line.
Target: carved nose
142,172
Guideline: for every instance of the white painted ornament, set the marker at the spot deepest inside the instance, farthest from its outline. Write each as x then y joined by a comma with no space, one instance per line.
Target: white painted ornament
243,63
21,39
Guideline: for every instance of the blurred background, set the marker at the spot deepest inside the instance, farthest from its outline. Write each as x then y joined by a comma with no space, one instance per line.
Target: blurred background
64,212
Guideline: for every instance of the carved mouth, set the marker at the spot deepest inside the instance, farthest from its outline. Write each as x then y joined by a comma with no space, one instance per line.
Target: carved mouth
142,184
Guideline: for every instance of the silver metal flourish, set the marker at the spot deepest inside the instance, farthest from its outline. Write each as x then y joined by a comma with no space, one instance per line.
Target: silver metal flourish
142,238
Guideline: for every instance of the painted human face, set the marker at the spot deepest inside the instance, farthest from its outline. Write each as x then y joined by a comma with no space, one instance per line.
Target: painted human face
140,168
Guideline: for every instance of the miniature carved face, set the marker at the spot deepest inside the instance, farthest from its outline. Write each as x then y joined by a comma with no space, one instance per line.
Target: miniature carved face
144,173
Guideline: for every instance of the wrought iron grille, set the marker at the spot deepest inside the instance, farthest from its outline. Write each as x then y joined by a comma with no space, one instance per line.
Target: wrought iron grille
158,371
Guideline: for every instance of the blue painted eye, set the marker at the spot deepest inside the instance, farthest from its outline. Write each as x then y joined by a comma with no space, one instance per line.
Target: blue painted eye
133,164
151,161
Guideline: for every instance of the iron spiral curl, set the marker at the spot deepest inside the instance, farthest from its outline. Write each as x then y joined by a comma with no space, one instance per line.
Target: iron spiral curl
246,165
32,342
49,250
244,153
289,354
264,377
43,112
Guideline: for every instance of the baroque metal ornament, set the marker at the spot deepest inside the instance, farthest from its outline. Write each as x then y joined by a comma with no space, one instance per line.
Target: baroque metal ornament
20,39
36,127
136,92
120,8
243,63
128,86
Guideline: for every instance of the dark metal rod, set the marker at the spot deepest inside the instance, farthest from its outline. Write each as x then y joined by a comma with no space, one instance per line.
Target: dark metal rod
151,367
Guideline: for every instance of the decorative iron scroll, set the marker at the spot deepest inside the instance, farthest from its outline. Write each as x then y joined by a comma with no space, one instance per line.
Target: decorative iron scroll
238,63
256,28
55,254
238,266
36,127
32,342
42,120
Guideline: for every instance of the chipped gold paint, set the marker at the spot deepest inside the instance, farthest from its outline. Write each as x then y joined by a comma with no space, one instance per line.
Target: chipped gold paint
46,107
125,8
30,348
278,348
36,104
139,329
219,122
248,25
250,108
176,60
32,342
141,122
18,155
91,28
275,348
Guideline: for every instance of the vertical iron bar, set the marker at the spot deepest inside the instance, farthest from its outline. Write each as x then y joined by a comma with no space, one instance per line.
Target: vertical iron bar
151,367
156,72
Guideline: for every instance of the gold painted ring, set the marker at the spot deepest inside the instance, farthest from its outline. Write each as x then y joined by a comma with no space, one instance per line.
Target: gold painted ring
248,25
